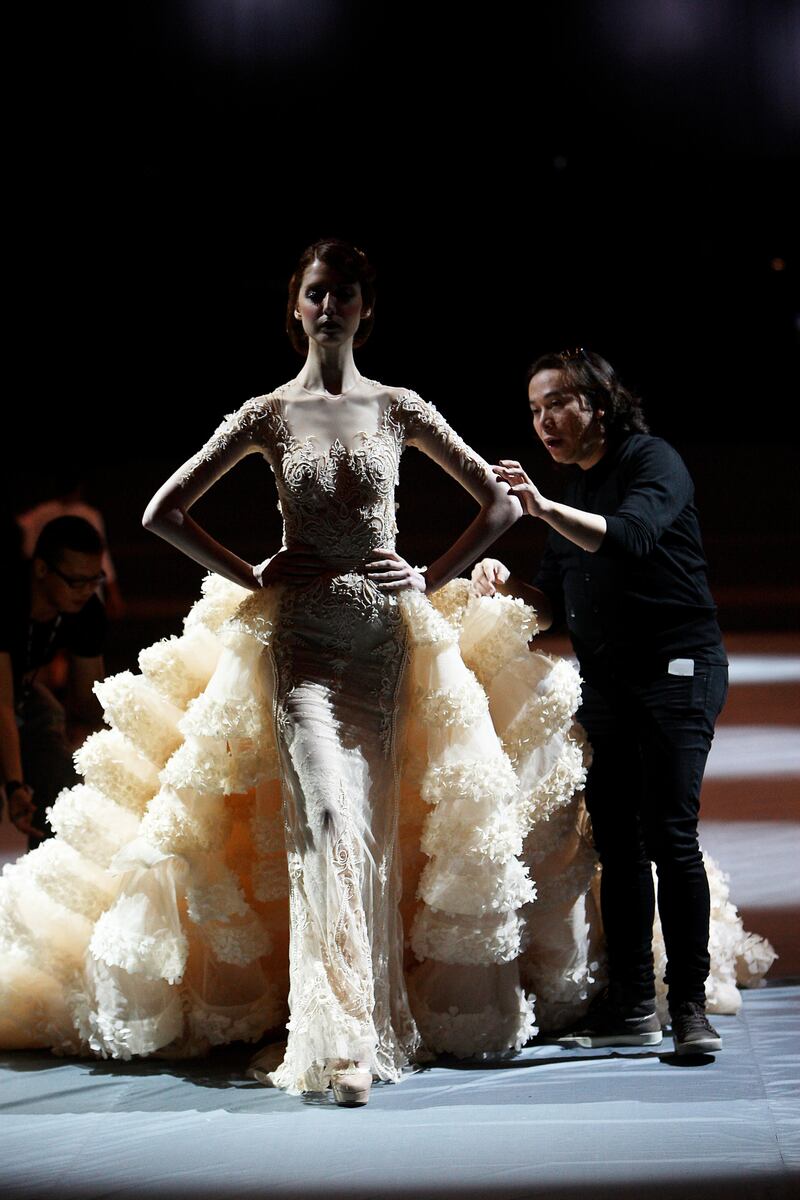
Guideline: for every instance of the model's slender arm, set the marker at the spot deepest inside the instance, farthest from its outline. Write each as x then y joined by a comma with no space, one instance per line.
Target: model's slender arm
426,429
494,518
167,514
584,529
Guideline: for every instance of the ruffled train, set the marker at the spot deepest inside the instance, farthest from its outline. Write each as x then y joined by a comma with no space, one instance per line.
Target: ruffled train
157,919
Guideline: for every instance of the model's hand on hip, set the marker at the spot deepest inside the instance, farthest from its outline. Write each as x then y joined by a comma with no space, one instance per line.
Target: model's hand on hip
391,573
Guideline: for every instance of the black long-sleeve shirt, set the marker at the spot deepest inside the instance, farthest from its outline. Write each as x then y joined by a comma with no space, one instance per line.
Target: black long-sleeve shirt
643,597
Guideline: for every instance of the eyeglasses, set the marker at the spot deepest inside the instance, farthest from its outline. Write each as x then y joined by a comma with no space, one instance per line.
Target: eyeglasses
77,582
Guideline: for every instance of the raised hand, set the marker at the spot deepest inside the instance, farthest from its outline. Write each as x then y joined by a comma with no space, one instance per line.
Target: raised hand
509,471
391,573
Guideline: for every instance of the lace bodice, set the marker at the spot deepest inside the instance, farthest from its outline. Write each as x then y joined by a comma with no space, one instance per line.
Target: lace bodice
337,498
340,500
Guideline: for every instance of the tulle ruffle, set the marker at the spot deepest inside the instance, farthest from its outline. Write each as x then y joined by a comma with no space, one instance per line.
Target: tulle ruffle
156,922
471,1011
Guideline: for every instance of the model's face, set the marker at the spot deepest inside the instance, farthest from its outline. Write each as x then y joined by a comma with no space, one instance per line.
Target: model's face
70,583
330,308
567,424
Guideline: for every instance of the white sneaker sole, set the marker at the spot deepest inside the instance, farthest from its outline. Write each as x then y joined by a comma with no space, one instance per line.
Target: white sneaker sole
596,1042
708,1045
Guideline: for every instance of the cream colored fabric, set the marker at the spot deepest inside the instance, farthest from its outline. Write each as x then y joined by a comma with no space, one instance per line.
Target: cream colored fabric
303,774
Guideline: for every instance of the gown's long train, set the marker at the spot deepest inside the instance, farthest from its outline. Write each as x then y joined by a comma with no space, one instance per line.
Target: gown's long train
184,942
344,764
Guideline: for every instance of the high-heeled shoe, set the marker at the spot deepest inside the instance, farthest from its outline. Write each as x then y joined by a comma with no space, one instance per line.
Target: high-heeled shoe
351,1085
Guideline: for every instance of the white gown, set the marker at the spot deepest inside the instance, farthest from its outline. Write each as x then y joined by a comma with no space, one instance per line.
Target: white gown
384,761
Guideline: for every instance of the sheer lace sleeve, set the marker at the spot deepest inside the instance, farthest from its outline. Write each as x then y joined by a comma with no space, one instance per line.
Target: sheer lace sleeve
424,427
241,433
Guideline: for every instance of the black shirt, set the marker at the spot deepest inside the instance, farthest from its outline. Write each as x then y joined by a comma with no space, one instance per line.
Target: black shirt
643,597
32,644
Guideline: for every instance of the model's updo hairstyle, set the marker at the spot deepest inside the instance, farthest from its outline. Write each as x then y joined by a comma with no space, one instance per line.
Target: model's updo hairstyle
596,380
352,265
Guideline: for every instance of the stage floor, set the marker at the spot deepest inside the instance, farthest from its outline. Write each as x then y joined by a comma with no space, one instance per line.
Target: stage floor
550,1122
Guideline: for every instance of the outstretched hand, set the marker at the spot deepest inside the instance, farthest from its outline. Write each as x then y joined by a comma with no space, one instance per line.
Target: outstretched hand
486,575
391,573
299,565
509,471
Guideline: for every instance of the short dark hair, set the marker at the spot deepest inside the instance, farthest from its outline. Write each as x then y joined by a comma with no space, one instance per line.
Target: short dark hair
353,266
596,380
67,533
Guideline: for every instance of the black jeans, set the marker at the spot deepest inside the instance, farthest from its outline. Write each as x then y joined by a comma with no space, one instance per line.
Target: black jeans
46,755
650,741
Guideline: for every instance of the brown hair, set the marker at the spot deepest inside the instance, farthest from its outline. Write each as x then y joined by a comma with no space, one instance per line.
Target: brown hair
596,380
352,265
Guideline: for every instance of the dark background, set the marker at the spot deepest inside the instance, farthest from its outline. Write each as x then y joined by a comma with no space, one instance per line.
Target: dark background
621,175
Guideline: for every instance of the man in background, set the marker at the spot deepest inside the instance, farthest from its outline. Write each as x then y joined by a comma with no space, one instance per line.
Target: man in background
49,605
70,501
